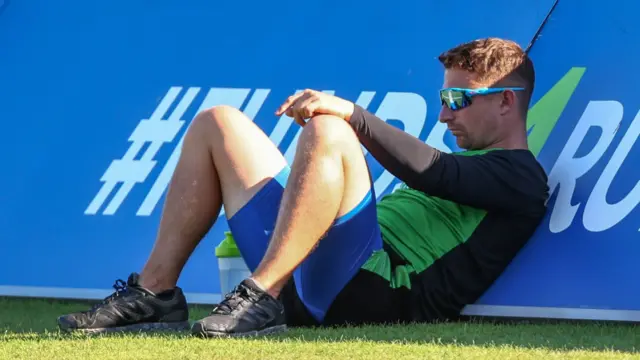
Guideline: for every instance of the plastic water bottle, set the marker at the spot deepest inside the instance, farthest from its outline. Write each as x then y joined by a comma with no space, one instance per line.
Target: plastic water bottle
231,265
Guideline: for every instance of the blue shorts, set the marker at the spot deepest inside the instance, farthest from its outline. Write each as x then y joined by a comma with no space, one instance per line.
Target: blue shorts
338,257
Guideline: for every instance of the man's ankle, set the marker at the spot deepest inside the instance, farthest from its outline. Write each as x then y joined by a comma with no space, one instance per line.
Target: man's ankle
153,285
274,291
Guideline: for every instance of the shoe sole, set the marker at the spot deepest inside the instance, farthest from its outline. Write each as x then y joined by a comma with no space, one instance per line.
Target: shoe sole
198,330
144,327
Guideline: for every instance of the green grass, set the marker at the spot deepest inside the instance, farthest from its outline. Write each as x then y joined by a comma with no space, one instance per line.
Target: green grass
28,331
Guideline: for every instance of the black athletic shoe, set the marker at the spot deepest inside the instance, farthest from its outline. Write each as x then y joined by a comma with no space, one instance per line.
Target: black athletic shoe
246,311
131,308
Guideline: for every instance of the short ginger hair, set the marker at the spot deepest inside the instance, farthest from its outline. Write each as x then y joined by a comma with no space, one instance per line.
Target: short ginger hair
495,61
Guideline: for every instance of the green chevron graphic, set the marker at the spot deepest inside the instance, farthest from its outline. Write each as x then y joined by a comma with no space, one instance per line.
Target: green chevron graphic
545,113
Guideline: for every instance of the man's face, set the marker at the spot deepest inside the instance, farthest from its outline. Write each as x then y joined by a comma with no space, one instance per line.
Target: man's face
477,125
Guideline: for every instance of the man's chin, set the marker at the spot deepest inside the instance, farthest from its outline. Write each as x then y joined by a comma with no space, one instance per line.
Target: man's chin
462,144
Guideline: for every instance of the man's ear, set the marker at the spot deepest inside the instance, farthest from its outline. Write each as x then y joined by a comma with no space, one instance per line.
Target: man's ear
508,101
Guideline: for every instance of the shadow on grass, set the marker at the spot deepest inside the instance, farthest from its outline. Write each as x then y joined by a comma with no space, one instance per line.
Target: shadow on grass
34,320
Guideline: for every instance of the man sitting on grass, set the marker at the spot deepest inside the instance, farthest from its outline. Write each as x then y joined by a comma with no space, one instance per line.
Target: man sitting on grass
320,249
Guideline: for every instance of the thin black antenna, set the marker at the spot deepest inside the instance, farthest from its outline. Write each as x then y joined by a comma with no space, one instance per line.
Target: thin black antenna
544,22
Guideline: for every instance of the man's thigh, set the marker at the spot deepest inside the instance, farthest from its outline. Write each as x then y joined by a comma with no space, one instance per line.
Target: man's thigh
245,158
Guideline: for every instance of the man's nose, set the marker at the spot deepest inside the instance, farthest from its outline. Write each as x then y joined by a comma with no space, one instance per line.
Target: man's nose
446,114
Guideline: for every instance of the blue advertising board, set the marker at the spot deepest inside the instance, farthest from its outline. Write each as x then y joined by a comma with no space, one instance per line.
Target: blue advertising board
96,98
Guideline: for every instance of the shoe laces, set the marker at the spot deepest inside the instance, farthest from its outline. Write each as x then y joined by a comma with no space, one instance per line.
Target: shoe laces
120,287
233,299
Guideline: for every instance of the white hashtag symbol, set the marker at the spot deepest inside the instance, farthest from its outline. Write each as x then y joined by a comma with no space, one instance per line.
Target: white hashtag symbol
128,171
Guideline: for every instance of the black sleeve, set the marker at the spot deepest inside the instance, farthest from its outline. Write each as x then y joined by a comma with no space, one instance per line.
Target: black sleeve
491,181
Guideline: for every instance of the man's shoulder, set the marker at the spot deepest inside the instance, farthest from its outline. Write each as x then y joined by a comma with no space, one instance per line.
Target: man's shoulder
515,161
518,172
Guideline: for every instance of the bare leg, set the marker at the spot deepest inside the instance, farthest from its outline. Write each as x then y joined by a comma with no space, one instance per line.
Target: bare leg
226,159
329,178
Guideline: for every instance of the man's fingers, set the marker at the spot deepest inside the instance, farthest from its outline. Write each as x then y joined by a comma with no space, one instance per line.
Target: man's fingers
297,110
289,112
298,118
300,106
308,106
305,107
288,103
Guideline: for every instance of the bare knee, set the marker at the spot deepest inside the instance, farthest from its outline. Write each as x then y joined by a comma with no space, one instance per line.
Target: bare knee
328,131
220,116
215,125
330,137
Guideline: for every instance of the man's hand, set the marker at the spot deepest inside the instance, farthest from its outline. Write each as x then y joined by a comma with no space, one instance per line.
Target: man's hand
310,103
